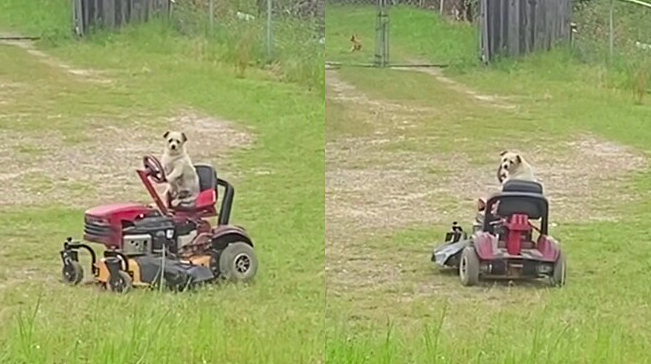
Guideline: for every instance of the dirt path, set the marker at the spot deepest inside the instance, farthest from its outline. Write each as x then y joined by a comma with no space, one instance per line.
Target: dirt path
342,90
82,74
493,100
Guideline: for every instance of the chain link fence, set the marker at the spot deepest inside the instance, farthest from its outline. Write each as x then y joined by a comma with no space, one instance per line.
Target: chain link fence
615,36
288,33
376,29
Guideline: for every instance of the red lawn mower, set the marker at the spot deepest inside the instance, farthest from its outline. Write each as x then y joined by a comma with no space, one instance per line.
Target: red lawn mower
502,245
177,247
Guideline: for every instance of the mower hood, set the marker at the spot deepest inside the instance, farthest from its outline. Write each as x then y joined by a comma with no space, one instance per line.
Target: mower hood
117,208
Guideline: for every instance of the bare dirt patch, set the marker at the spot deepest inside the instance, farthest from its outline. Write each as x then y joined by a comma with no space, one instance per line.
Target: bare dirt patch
100,167
83,74
9,91
368,187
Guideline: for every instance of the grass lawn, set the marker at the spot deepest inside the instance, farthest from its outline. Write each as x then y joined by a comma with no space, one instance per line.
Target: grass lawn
426,145
75,122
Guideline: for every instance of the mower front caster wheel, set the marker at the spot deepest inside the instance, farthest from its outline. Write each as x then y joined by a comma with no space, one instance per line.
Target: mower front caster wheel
120,284
72,273
238,262
469,267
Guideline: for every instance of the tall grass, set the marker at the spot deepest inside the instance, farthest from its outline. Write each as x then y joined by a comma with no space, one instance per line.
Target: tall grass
50,19
294,53
627,67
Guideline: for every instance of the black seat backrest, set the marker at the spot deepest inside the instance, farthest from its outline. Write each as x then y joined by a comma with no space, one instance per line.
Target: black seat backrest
207,177
534,205
519,185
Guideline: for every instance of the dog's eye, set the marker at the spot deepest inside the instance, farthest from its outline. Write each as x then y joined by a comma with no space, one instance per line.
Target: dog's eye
170,140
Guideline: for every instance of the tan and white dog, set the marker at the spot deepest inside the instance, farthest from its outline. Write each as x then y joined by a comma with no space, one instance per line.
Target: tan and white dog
514,166
182,178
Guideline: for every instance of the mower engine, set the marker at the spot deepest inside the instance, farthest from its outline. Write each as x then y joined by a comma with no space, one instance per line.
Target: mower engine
136,229
148,234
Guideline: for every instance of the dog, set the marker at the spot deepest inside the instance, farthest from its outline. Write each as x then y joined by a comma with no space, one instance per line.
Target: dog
514,166
182,178
357,45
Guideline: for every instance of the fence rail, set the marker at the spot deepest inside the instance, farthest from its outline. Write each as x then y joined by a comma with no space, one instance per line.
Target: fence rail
114,13
513,28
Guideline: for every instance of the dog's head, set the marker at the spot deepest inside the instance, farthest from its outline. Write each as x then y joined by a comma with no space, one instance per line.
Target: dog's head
175,141
510,161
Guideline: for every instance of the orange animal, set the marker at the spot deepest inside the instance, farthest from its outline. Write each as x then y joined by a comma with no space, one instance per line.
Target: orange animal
357,45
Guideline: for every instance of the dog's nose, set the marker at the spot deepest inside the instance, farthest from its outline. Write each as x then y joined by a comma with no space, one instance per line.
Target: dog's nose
173,146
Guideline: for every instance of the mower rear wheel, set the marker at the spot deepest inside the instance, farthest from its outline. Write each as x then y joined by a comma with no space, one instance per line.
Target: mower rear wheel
72,273
238,262
469,267
558,277
120,284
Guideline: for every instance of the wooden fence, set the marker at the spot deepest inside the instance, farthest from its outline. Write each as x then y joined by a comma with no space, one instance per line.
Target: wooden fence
516,27
87,14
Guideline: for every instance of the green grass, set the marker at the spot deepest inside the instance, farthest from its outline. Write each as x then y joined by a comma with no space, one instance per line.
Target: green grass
47,18
295,56
277,319
426,317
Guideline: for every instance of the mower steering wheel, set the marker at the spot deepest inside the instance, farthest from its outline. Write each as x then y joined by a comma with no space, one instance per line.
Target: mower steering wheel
154,169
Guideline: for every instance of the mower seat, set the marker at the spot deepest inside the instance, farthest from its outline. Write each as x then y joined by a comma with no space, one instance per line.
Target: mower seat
207,189
532,206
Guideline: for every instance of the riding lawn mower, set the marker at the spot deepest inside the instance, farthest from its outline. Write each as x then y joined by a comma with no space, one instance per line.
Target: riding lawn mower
503,244
150,245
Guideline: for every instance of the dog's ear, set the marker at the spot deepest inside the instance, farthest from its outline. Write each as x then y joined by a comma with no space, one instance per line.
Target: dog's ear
185,138
503,152
166,134
518,159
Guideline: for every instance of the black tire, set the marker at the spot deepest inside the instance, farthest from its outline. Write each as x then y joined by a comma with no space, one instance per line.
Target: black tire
238,263
559,275
469,267
72,273
120,284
